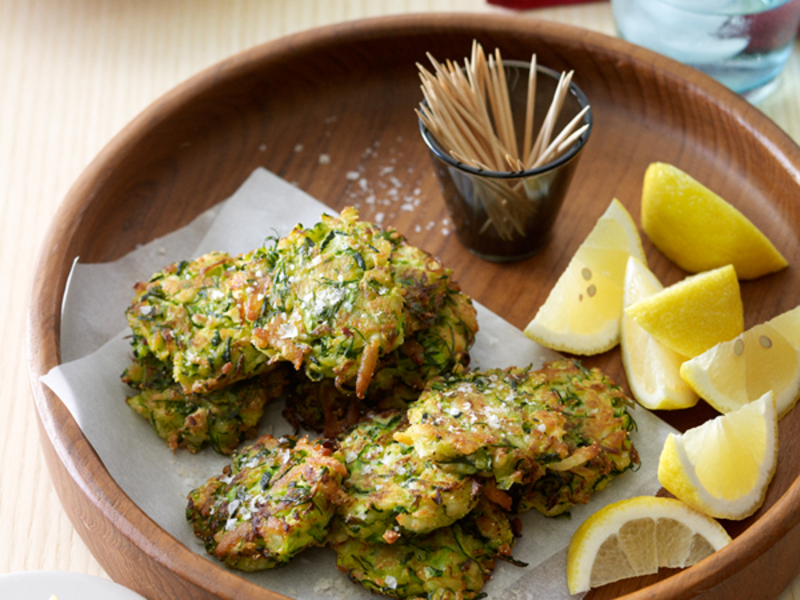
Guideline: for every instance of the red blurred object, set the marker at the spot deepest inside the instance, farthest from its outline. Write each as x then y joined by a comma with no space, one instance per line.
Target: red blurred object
527,4
773,29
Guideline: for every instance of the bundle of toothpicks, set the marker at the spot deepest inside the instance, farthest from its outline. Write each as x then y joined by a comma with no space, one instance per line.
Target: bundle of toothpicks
468,111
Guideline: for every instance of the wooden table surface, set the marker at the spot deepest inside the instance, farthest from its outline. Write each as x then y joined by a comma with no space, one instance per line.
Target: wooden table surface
73,74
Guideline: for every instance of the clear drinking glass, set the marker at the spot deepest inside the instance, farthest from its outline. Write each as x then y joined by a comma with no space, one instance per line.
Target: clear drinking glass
743,44
501,215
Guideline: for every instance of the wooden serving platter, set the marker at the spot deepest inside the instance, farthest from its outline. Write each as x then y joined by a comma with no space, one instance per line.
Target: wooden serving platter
332,110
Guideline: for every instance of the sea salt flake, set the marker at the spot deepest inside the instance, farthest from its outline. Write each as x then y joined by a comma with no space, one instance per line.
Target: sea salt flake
287,331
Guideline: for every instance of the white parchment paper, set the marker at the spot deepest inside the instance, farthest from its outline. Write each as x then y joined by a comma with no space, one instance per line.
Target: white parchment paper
96,351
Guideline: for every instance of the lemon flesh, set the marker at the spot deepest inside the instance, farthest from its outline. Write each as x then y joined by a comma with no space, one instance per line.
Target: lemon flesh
652,369
694,314
637,536
723,467
763,358
700,231
583,310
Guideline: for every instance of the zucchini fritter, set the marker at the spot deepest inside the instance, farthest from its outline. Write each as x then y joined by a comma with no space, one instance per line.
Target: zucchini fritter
333,300
391,491
333,306
598,439
551,436
450,563
222,418
399,377
276,498
194,316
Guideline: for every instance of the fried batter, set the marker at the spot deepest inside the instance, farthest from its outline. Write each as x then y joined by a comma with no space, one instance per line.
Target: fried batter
222,418
391,491
275,499
450,563
335,300
598,438
193,315
563,426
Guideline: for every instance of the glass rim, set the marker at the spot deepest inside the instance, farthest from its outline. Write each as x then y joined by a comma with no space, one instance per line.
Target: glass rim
574,90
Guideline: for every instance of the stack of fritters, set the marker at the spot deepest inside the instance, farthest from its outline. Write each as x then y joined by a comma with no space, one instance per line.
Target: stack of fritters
352,308
423,507
423,462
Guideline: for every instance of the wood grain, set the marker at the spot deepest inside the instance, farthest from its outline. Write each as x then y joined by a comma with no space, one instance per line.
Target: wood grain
101,516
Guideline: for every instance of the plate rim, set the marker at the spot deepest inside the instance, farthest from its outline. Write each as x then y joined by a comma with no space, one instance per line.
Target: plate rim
43,320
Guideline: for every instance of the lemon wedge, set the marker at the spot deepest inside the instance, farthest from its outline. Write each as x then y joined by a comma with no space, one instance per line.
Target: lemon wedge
637,536
652,369
583,311
765,357
723,467
699,230
694,314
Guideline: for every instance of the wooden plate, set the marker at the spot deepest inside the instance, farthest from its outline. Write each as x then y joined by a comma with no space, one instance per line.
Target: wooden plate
316,106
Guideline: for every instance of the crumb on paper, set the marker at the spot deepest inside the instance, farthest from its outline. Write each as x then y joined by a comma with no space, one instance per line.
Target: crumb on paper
329,587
